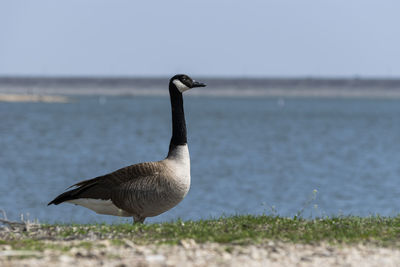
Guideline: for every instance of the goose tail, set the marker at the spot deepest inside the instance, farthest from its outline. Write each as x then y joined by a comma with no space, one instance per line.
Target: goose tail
69,195
74,193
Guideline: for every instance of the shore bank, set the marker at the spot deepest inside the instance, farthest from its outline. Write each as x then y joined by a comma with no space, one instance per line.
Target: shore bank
231,241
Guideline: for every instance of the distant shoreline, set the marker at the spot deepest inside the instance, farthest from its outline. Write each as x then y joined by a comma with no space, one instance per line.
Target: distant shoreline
272,82
217,87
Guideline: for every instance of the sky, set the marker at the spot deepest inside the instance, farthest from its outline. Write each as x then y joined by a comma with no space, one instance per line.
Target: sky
284,38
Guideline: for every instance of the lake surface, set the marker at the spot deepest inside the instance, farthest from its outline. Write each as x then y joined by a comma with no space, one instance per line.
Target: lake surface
249,155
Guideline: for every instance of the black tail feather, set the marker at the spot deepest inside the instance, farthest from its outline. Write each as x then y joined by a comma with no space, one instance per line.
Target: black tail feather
71,194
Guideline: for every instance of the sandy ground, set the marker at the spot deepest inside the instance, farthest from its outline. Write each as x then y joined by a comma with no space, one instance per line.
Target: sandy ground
188,253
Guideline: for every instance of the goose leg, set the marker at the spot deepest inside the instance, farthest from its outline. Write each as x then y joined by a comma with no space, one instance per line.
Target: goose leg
138,219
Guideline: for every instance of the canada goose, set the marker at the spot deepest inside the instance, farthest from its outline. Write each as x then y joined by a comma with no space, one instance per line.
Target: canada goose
144,189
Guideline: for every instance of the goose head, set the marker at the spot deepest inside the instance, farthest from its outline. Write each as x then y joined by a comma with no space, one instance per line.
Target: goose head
182,82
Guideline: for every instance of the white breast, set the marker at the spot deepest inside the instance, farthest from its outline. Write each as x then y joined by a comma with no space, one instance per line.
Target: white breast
178,162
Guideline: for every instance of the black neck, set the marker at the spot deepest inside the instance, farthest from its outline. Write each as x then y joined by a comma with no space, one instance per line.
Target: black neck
178,117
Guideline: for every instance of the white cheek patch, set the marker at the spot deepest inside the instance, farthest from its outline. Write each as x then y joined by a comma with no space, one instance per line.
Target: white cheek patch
181,87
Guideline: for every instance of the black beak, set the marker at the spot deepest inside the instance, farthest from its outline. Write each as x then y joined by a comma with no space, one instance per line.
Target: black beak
197,84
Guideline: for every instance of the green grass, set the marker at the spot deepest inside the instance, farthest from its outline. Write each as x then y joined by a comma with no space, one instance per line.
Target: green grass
241,230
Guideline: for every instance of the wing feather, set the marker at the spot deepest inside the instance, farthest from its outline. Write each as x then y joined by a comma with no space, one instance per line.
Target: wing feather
116,186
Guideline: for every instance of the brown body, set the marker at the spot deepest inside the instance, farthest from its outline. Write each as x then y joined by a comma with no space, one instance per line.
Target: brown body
140,190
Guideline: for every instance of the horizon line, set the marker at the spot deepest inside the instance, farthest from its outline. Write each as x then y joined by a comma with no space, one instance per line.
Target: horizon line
222,77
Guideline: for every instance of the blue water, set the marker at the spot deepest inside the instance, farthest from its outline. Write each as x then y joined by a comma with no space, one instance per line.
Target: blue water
248,155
